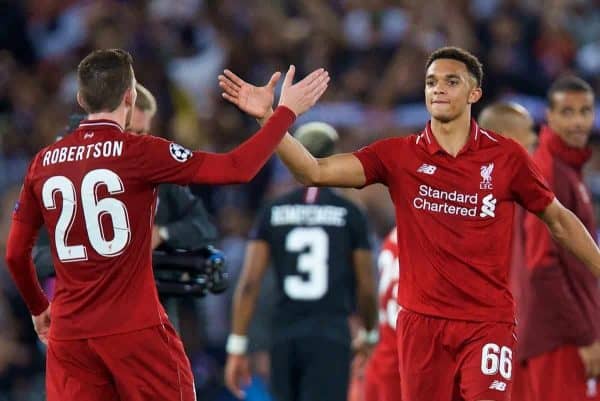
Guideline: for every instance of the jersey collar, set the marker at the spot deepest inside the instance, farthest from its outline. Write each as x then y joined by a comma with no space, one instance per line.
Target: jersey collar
428,141
100,124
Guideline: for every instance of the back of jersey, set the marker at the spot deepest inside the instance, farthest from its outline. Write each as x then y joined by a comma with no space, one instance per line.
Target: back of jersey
95,191
312,234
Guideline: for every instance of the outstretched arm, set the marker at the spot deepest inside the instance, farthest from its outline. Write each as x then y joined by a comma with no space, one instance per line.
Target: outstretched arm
169,162
568,230
342,170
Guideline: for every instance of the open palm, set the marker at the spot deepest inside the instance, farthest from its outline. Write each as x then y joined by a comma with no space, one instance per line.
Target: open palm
253,100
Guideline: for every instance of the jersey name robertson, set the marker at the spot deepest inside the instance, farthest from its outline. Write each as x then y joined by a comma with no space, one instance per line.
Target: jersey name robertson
311,215
81,152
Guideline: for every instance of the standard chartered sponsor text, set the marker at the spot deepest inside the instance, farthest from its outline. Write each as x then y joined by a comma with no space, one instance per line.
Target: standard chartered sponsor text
447,202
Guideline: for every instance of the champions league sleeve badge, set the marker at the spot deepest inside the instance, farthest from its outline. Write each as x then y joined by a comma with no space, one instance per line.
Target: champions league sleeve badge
179,153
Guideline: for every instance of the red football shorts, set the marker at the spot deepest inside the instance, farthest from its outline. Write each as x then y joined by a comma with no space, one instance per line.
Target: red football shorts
559,375
451,360
382,385
143,365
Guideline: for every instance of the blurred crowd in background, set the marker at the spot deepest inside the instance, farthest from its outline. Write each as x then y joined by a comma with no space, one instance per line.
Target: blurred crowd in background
375,51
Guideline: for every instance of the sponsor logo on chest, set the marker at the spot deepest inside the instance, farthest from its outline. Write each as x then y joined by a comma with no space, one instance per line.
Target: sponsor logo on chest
457,202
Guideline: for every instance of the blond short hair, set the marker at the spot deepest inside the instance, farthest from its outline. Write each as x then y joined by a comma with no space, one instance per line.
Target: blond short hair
493,117
145,101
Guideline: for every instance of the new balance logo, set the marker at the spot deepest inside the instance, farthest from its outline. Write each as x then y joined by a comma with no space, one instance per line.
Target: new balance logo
427,169
498,385
488,208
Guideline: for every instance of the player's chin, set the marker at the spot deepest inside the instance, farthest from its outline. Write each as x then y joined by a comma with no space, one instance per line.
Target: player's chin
442,116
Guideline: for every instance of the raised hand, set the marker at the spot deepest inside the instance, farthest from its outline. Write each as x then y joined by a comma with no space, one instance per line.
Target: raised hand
303,95
256,101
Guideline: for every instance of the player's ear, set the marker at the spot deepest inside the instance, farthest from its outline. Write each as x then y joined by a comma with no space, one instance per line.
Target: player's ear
129,97
475,95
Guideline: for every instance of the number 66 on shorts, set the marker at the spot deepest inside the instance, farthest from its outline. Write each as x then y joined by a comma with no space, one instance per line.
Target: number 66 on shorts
469,359
496,359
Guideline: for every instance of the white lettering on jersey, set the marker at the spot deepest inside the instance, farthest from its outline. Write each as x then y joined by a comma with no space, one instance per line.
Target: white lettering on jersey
77,153
454,202
312,215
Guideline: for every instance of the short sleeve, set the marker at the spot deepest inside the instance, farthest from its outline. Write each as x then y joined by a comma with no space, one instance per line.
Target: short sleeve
164,161
371,159
262,228
529,187
359,229
27,208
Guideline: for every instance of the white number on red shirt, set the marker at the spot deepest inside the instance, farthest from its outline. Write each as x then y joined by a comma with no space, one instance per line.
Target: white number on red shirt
93,210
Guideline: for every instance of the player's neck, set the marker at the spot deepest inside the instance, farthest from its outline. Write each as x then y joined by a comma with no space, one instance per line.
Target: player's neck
452,135
118,116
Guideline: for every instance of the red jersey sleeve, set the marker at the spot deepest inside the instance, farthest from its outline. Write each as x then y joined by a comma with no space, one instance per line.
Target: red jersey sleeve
529,187
371,159
27,219
164,161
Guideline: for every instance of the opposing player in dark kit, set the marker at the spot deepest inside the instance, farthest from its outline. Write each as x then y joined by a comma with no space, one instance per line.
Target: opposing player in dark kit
318,244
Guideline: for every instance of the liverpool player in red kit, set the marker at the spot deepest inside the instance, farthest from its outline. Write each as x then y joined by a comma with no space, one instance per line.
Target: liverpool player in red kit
382,380
454,187
95,190
559,330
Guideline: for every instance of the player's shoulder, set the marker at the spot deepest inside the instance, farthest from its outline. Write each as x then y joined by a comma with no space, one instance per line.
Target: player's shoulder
394,143
35,161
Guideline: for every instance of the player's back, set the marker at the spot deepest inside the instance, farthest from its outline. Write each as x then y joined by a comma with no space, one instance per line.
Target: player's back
98,209
312,235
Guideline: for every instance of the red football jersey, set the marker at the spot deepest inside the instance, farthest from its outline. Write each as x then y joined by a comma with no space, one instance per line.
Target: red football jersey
95,190
385,356
454,217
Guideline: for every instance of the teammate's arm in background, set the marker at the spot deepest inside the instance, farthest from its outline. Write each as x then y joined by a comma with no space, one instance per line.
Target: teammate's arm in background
237,369
341,170
568,231
364,271
532,192
366,299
